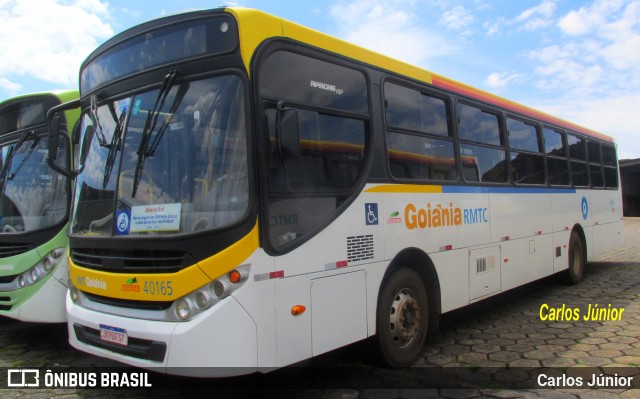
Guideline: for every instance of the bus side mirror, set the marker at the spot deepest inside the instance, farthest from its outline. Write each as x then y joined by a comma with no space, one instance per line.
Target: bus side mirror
288,133
54,142
54,131
53,125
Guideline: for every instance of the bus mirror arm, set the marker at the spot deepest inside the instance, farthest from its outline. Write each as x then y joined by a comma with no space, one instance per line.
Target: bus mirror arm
54,128
287,132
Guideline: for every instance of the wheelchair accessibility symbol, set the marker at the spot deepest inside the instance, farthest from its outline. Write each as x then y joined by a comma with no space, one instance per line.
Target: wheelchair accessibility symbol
371,214
122,222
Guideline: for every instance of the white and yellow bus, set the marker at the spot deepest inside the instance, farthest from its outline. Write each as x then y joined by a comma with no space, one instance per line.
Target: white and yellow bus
252,193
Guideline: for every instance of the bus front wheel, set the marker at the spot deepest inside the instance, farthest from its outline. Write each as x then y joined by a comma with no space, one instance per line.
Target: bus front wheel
576,259
402,318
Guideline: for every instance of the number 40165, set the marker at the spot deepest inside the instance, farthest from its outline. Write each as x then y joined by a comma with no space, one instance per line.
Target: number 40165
162,288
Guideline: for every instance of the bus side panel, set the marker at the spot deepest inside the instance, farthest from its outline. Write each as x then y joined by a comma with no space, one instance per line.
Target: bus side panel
453,273
339,311
605,212
258,298
519,215
351,243
561,250
565,209
525,260
293,332
39,308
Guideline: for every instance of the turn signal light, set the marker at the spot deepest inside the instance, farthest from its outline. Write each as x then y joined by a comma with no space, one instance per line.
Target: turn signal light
235,276
298,310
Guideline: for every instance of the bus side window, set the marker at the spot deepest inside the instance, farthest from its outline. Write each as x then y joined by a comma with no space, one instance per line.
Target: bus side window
419,141
527,162
610,166
481,144
578,156
595,164
309,184
556,151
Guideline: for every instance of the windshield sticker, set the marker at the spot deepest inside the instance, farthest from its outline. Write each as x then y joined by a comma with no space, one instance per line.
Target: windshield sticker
149,218
123,218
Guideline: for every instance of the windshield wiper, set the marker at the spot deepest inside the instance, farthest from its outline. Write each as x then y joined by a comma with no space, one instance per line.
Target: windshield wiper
9,159
93,112
116,141
149,126
24,159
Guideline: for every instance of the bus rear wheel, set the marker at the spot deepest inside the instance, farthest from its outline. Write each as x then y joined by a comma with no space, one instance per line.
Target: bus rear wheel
576,259
402,318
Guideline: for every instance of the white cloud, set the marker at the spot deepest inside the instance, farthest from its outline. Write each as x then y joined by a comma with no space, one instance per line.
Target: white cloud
457,18
497,80
49,39
574,23
9,86
493,28
584,20
603,61
545,9
531,19
537,17
392,28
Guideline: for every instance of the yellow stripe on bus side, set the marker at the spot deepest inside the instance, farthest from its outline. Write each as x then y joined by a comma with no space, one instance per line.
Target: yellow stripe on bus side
405,189
164,286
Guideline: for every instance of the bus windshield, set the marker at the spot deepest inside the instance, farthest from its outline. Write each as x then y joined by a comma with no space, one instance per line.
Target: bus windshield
34,197
167,161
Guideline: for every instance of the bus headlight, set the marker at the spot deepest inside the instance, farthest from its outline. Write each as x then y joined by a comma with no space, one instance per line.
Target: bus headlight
183,310
49,263
41,269
73,292
203,299
220,288
189,306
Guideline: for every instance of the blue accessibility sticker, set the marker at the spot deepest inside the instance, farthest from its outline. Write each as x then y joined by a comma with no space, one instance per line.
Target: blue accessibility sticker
371,213
123,221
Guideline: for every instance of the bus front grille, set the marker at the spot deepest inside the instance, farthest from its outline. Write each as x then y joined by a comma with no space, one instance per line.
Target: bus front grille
131,261
127,303
3,303
8,249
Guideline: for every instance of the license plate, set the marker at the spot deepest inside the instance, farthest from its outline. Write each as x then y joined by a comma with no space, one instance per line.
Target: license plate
113,334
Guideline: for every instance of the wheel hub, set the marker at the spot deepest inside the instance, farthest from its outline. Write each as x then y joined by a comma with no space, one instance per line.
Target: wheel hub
404,318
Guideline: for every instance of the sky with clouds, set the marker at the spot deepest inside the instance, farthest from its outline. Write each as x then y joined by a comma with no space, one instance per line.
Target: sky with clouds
579,60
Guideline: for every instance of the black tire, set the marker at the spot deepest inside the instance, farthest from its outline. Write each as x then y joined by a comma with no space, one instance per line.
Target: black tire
402,319
576,259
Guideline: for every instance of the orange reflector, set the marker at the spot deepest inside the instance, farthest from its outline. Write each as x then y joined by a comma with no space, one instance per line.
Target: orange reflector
298,310
235,276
